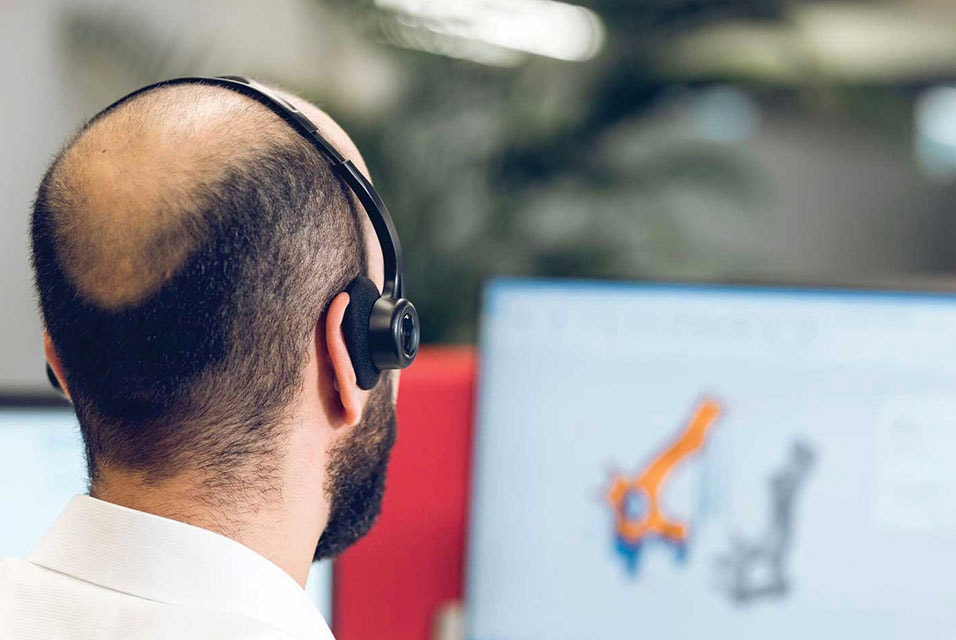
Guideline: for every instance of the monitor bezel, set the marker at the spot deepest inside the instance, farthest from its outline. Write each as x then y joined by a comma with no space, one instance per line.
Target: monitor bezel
934,285
26,400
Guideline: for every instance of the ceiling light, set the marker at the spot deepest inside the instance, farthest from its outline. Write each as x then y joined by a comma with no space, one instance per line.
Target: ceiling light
542,27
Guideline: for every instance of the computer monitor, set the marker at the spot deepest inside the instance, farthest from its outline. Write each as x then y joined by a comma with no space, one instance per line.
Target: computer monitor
42,467
686,461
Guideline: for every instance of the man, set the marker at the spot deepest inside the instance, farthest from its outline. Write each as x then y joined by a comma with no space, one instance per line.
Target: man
191,252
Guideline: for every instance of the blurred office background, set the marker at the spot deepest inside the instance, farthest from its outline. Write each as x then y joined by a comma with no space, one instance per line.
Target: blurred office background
739,139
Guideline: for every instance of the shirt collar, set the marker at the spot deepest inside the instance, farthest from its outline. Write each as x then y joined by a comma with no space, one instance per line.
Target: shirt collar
167,561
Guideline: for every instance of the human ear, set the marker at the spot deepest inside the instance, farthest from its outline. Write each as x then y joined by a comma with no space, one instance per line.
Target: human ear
346,387
56,365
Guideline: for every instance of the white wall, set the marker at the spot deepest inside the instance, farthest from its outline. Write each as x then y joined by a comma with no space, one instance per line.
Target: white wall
36,119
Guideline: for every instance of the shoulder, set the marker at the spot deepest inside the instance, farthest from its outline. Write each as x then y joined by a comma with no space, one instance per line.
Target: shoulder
16,574
36,602
18,598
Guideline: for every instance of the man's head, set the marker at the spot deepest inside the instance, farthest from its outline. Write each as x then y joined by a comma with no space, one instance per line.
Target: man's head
190,249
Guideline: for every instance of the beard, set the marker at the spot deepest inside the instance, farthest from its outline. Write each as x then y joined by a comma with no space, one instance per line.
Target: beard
355,480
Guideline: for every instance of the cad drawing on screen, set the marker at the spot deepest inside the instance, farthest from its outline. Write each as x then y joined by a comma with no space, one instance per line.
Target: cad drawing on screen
756,569
636,500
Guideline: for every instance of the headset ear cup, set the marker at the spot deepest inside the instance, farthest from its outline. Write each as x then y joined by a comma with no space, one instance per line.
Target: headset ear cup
355,326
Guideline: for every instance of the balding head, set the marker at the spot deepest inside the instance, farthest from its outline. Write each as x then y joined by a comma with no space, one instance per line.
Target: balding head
130,198
185,243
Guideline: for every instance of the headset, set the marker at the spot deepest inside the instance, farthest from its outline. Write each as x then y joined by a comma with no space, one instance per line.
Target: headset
381,328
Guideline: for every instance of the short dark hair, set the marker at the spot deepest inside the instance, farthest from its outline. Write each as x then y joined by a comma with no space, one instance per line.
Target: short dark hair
196,374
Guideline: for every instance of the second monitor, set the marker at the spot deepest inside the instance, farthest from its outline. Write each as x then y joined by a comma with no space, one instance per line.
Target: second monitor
685,461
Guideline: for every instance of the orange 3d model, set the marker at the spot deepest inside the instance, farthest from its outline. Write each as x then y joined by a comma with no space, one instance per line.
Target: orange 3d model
637,500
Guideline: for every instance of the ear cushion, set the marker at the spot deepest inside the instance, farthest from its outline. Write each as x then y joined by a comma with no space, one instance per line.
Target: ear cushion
355,324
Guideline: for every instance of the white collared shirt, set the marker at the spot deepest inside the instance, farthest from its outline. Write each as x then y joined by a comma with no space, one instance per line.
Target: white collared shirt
105,571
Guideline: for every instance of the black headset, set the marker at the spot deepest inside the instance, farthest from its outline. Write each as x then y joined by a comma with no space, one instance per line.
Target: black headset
381,328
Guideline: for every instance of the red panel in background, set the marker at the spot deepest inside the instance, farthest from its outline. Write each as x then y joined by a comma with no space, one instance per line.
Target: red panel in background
391,583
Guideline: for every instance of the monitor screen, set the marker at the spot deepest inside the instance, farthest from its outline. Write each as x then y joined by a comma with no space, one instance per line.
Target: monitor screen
711,461
42,467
